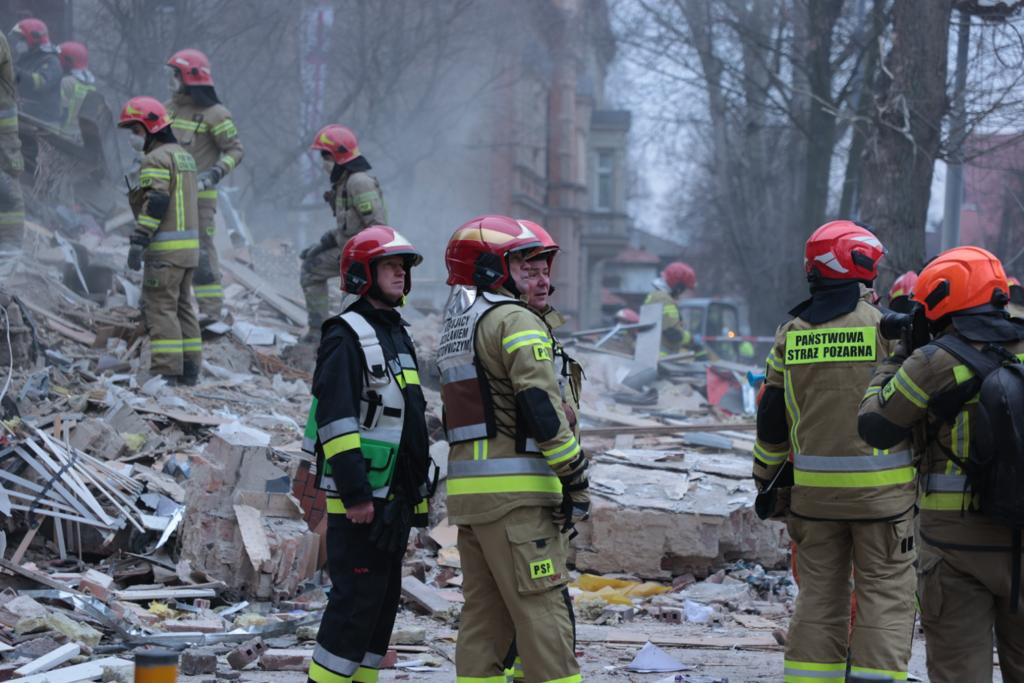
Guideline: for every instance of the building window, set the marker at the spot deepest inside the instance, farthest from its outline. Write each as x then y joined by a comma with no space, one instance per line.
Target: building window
605,190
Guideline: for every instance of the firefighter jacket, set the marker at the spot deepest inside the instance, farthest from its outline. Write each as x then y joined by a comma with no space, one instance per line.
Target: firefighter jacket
10,145
73,92
39,73
355,199
367,425
567,368
208,134
816,374
932,396
164,204
674,335
509,435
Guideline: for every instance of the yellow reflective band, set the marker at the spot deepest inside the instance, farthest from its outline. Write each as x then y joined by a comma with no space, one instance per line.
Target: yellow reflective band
561,453
365,674
319,674
208,194
155,173
192,126
831,345
524,338
147,221
194,344
792,410
946,501
769,458
480,449
774,362
400,380
855,480
411,376
214,291
225,127
909,389
346,442
228,161
179,203
575,678
12,217
173,245
9,122
813,672
962,373
517,483
421,508
894,675
481,679
871,391
335,506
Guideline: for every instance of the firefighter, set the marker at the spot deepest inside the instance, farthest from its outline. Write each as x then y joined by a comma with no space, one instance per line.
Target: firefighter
517,475
851,505
902,291
1016,305
966,575
206,130
570,373
76,85
37,69
676,278
12,209
355,199
166,240
369,429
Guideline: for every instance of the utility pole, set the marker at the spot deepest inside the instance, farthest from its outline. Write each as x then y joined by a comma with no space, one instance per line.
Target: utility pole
954,164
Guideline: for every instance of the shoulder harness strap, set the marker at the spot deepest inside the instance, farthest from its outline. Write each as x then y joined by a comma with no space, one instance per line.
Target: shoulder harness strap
376,368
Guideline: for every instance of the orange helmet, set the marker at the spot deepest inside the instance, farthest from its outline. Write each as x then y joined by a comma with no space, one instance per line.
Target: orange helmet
369,245
34,32
338,141
678,274
193,66
960,279
73,55
843,250
904,285
548,246
477,251
145,110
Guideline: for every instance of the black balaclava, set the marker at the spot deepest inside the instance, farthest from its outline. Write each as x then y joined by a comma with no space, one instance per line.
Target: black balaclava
202,95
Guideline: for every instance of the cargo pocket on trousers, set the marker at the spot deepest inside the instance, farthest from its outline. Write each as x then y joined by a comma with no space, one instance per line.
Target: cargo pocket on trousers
902,542
539,558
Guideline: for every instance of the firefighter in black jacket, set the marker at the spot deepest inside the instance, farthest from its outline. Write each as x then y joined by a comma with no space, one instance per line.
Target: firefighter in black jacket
369,433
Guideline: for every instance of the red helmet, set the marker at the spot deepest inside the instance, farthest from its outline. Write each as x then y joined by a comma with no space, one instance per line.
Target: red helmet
193,66
145,110
34,32
548,246
477,251
627,316
338,141
904,285
843,250
678,274
369,245
960,279
73,55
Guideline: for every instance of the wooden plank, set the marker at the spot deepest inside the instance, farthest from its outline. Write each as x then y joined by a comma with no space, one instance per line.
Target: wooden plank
185,418
250,526
250,280
61,326
670,429
50,660
89,671
589,633
144,595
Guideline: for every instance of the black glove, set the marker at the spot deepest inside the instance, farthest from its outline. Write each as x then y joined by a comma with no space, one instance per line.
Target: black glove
138,246
575,506
329,240
389,531
209,178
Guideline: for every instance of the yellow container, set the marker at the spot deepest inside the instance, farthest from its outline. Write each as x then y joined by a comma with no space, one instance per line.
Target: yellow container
156,666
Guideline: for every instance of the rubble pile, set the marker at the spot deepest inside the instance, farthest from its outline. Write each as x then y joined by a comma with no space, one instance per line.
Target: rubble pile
142,515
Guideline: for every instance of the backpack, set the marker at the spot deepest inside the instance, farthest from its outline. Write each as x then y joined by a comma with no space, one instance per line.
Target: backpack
995,466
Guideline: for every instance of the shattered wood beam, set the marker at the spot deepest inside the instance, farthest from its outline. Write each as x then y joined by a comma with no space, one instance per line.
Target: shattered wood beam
265,291
669,429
